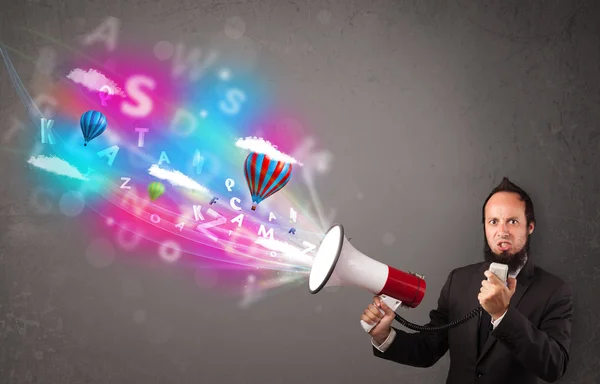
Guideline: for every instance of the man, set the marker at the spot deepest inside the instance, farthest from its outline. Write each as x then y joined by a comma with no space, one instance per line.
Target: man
524,331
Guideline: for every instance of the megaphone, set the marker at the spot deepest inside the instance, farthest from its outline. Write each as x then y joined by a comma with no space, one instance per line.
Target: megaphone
338,263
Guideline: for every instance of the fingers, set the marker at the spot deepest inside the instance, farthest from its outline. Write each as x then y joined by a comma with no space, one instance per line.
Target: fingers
486,287
490,286
486,291
492,278
377,301
368,319
483,298
374,311
377,311
371,314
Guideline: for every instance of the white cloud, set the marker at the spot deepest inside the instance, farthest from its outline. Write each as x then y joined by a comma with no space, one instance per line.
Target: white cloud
259,145
56,165
94,81
176,178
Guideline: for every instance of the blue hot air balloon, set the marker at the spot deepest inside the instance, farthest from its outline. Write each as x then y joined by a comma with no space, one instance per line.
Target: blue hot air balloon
93,123
265,176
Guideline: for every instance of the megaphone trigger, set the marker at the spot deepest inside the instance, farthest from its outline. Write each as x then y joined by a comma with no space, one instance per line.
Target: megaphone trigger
390,302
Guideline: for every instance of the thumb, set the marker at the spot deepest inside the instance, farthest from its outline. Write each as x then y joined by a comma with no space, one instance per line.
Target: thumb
512,284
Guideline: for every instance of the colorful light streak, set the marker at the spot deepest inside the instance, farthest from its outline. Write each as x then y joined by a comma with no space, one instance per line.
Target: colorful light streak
157,127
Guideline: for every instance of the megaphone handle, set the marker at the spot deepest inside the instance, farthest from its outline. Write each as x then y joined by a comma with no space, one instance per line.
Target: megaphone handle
390,302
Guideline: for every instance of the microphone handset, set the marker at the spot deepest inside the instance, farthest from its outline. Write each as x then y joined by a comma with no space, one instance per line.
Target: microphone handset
500,270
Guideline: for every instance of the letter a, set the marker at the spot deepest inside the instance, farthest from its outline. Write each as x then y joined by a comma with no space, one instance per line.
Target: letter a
107,31
111,153
238,219
163,157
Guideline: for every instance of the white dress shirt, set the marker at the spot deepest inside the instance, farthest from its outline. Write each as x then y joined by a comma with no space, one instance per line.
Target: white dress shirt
390,339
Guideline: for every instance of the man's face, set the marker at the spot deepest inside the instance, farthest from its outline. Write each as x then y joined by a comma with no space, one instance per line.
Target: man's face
506,229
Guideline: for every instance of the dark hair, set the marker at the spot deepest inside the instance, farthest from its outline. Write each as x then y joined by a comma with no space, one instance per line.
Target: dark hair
508,186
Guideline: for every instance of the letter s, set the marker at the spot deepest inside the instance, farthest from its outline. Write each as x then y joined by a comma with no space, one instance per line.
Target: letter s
133,88
235,97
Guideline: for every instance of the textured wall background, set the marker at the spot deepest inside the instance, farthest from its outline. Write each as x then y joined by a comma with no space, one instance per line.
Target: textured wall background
424,105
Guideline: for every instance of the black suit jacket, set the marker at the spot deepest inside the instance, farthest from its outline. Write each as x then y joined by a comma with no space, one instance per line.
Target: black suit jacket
532,340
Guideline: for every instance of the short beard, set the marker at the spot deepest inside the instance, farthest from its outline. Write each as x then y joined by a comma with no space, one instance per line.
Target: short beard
514,261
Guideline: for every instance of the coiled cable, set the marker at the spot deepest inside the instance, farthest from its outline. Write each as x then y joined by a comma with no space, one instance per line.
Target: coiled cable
437,328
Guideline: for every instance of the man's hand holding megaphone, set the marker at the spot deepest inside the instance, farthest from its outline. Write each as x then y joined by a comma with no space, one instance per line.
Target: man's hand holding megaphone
378,312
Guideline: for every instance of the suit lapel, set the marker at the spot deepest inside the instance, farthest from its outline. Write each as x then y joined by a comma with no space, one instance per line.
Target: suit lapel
473,325
523,282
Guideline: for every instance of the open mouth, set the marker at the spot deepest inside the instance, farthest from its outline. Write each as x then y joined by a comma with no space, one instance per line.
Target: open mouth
504,246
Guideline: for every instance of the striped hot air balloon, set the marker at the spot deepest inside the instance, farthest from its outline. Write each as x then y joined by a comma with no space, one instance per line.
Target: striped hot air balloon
92,123
155,190
265,176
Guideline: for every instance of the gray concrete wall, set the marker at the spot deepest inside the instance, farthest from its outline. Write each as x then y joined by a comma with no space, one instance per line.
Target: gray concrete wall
424,107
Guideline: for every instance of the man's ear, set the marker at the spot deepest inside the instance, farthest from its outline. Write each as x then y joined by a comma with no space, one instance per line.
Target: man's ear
531,227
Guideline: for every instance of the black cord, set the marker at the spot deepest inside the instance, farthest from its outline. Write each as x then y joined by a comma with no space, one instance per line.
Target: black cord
421,328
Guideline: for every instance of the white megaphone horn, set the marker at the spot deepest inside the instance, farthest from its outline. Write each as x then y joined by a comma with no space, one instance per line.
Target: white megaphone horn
338,263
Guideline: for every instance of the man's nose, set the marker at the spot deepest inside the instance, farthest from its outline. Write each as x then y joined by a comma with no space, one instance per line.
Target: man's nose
503,229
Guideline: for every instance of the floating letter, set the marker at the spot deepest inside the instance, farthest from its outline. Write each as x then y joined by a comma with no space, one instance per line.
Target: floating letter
198,212
141,132
111,153
229,183
238,219
47,131
163,157
234,97
169,251
124,185
198,162
204,226
193,60
262,231
309,246
107,32
189,122
133,88
232,203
